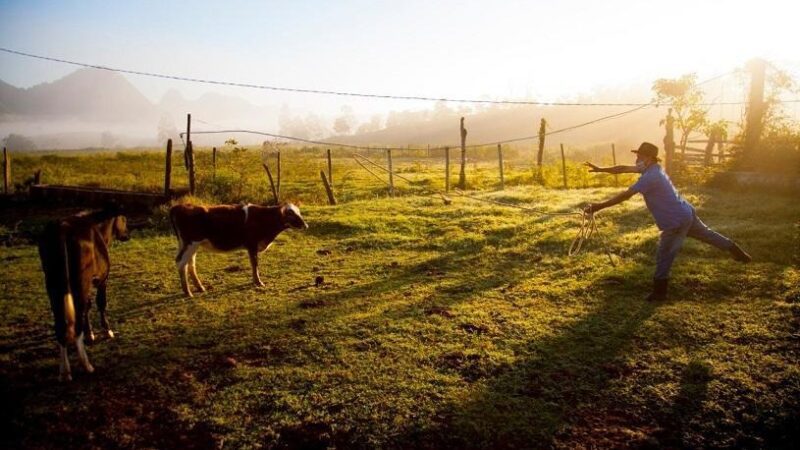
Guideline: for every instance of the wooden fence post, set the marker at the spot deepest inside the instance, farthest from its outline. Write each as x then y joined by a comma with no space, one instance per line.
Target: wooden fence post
271,183
755,108
168,169
328,190
447,169
500,160
214,159
6,170
712,139
190,153
564,166
462,176
614,162
542,133
391,172
278,167
330,168
37,177
669,142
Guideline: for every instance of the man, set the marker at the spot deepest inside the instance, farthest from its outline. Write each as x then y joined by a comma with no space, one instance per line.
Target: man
675,217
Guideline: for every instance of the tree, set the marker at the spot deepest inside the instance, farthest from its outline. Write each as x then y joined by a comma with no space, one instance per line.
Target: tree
373,125
345,122
108,140
18,142
683,95
166,129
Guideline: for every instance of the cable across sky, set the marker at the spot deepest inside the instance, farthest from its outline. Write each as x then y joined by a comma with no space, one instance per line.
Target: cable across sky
341,93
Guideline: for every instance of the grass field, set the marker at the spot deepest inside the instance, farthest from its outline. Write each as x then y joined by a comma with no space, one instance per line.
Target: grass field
239,176
437,326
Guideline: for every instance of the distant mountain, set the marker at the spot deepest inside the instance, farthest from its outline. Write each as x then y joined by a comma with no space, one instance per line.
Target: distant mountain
86,94
76,110
214,107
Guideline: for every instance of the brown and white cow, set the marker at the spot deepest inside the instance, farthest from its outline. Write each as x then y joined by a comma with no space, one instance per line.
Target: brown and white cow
225,228
74,255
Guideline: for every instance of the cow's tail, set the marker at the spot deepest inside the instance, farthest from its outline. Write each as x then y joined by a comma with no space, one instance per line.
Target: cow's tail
177,234
69,303
172,222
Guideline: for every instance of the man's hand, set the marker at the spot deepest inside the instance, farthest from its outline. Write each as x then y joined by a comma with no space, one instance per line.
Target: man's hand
592,167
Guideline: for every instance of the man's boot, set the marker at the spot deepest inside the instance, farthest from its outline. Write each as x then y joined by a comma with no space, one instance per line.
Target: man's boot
738,254
659,293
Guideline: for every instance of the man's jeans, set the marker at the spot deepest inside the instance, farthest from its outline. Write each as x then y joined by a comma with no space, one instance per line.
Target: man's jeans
671,241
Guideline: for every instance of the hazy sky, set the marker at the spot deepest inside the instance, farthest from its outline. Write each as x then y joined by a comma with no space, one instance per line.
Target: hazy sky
499,49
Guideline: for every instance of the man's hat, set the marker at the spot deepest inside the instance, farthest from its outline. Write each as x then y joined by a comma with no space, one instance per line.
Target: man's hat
647,149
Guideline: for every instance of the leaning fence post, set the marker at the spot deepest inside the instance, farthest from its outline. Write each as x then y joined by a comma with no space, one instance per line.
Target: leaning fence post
614,162
328,190
271,183
564,166
6,170
500,159
168,168
330,168
447,169
37,177
391,172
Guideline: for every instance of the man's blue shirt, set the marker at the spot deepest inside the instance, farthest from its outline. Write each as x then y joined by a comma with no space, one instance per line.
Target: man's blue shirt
668,208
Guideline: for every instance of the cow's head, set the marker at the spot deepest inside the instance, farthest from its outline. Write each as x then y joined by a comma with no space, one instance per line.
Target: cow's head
120,228
290,214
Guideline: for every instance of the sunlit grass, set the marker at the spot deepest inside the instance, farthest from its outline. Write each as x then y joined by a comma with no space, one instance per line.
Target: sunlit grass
462,325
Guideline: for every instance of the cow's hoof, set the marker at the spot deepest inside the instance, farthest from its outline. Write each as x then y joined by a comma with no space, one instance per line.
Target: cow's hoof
188,294
65,377
89,368
109,334
90,338
259,284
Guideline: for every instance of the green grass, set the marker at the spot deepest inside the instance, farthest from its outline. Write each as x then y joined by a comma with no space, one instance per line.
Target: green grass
437,326
239,176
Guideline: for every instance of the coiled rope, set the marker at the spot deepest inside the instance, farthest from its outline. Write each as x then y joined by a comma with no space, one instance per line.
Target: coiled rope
586,230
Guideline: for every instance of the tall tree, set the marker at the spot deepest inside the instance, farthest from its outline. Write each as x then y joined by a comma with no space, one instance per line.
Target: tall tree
683,95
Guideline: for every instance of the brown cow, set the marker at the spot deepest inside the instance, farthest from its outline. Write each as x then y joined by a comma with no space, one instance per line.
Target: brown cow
225,228
74,254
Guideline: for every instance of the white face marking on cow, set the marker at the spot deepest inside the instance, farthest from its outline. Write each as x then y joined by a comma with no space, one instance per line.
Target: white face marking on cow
295,220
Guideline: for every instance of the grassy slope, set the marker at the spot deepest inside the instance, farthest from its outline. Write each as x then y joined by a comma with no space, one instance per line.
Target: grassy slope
462,325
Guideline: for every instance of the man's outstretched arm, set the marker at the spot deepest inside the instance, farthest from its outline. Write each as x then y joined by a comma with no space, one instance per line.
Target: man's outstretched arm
614,169
615,200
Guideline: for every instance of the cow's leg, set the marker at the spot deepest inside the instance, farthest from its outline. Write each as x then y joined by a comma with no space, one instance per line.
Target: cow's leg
102,303
183,267
82,354
83,296
87,325
253,253
64,371
193,272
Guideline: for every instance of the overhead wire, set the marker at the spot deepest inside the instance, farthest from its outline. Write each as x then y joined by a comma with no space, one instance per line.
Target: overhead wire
320,91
